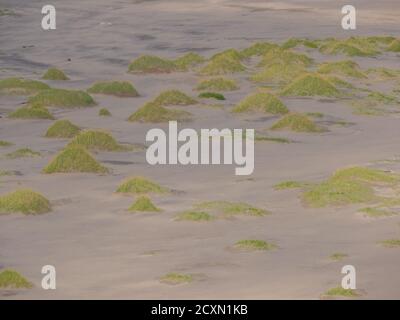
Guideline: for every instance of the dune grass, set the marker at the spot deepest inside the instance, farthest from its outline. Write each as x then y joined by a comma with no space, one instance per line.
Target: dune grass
394,46
19,86
24,201
217,84
54,74
74,159
4,143
290,184
261,102
62,98
254,245
114,88
295,42
174,98
296,122
22,153
353,46
193,215
339,291
382,73
11,279
373,104
189,61
280,73
390,243
97,140
211,95
174,278
152,64
154,113
104,112
31,112
377,212
285,57
62,129
338,256
140,185
346,68
228,209
143,204
226,62
310,85
258,49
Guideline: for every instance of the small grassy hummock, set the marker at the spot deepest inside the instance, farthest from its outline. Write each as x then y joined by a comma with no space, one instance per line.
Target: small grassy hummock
140,185
258,49
143,204
254,245
114,88
24,201
11,279
228,209
176,278
5,143
394,46
211,95
22,153
154,113
278,73
310,85
62,129
353,46
346,68
337,256
174,98
288,185
152,64
54,74
31,112
263,102
62,98
21,86
294,42
285,57
103,112
197,216
97,140
188,61
217,84
377,212
74,159
226,62
296,122
339,291
381,73
391,243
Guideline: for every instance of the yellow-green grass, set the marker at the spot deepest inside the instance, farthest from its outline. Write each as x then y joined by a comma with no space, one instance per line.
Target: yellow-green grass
143,204
261,138
74,159
31,112
254,245
394,46
339,291
310,85
285,57
261,102
188,61
211,95
258,49
152,64
226,62
174,278
24,201
295,42
382,73
338,256
217,84
11,279
62,98
290,184
194,215
228,209
104,112
353,46
54,74
174,98
140,185
19,86
296,122
154,113
62,129
377,212
97,140
7,12
346,68
390,243
278,73
4,143
114,88
373,104
22,153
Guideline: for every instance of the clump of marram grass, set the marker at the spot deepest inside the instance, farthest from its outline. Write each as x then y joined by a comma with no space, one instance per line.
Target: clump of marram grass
97,140
254,245
339,291
373,103
394,46
24,201
278,73
211,95
262,102
227,209
104,112
344,68
74,159
258,49
22,153
152,64
62,98
349,186
54,74
337,256
62,129
285,57
174,278
11,279
114,88
188,61
310,85
296,122
226,62
217,84
20,86
143,204
295,42
289,185
390,243
5,143
140,185
174,98
353,46
31,112
377,212
193,215
154,113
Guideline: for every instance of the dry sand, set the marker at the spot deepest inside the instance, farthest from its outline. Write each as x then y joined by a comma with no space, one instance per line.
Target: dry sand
102,251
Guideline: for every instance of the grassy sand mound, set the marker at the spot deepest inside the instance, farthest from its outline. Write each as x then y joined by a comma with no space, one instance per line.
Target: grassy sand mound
225,62
217,84
153,113
285,57
5,143
176,278
188,61
228,209
21,86
258,49
262,102
296,122
22,153
114,88
192,215
394,46
278,73
353,46
97,140
254,245
374,104
346,68
74,159
54,74
24,201
103,112
174,98
62,98
144,204
339,291
140,185
31,112
211,95
62,129
382,73
310,85
152,64
391,243
11,279
295,42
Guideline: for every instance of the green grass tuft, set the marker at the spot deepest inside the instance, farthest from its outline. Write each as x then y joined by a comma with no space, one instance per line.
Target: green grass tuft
226,62
22,153
153,113
188,61
278,73
5,143
337,256
295,42
11,279
311,85
97,140
346,68
263,102
296,122
103,112
254,245
197,216
212,95
391,243
140,185
174,98
217,84
152,64
21,86
54,74
24,201
288,185
31,112
394,46
353,46
62,98
176,278
285,57
114,88
62,129
258,49
339,291
144,204
228,209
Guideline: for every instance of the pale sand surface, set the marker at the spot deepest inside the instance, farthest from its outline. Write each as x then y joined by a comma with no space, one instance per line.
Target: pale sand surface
100,250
